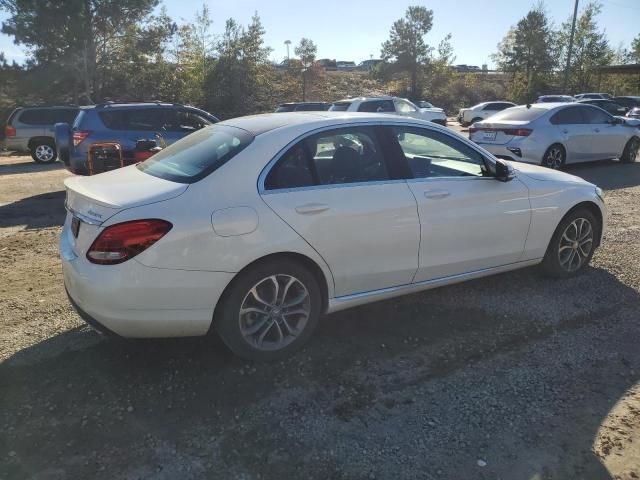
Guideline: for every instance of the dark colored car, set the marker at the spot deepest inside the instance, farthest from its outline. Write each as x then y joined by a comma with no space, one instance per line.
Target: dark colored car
303,107
627,101
31,129
125,124
608,106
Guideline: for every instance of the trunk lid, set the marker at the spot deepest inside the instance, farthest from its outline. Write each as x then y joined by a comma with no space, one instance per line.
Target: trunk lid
97,198
498,133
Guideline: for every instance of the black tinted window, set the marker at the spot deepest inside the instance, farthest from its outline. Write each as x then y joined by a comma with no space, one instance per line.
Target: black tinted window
568,116
491,106
349,155
377,106
148,119
197,155
185,121
593,116
38,116
311,107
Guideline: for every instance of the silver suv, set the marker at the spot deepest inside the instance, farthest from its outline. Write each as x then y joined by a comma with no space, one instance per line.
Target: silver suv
30,129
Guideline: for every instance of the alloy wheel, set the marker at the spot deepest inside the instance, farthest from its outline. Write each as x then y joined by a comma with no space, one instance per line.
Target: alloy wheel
633,150
274,312
553,158
45,153
576,244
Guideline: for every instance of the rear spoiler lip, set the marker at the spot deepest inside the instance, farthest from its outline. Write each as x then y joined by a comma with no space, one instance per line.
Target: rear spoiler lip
82,216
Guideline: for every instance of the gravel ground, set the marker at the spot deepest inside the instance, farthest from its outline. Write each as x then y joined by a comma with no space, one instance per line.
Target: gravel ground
510,377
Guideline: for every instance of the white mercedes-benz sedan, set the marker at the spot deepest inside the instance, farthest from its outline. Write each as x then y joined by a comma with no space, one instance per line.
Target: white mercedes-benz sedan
256,226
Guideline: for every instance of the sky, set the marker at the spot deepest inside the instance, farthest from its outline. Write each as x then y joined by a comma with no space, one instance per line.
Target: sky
355,29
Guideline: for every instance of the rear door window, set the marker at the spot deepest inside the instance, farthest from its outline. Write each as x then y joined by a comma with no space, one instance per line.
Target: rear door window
145,119
568,116
36,116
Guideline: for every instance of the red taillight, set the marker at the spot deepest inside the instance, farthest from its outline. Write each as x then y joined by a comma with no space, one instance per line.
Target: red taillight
79,136
10,131
518,132
118,243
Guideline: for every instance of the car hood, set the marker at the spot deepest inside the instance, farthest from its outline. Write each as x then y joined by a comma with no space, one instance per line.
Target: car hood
99,197
631,122
537,172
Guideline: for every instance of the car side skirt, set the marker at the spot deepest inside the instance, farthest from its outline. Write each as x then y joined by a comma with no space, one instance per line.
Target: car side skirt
348,301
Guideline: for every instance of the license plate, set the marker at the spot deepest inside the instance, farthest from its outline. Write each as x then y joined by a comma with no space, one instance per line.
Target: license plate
488,135
75,226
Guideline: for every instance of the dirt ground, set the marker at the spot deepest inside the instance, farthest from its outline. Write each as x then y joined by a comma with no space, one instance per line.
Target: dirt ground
514,376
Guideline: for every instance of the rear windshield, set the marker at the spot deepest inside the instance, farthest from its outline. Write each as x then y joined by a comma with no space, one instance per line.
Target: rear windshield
518,114
340,106
197,155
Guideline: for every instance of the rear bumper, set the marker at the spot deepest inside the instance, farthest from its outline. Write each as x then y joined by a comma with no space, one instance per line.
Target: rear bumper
17,144
134,301
504,152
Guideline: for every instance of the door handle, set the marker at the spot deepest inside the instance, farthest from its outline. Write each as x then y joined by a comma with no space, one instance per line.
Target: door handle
436,193
311,208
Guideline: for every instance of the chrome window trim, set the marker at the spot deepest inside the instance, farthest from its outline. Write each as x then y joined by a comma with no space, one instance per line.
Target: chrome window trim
402,123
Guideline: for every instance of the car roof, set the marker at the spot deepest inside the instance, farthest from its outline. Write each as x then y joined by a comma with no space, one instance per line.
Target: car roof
366,99
266,122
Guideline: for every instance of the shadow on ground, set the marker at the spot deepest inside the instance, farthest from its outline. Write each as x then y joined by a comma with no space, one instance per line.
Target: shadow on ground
14,168
38,211
79,406
609,174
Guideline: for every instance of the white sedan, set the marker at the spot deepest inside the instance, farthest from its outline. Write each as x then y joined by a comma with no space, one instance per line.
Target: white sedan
256,226
387,104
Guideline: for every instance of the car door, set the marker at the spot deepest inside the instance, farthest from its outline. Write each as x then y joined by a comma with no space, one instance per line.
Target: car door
469,220
570,125
607,136
337,190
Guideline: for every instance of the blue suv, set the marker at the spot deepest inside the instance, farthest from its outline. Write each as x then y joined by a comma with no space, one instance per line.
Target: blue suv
127,124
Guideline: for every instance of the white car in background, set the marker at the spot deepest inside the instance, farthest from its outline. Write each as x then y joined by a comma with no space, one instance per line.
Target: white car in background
481,111
386,104
555,134
255,226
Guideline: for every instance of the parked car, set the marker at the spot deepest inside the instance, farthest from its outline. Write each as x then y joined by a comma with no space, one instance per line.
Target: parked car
607,105
368,64
345,65
634,113
555,99
255,226
303,107
629,101
327,63
587,96
126,124
30,129
555,134
467,116
384,104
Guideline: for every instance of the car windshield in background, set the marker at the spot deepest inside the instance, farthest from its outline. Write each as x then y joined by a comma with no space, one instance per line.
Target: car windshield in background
340,106
518,114
197,155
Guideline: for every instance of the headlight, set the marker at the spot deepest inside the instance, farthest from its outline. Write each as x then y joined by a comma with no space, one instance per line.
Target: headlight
600,193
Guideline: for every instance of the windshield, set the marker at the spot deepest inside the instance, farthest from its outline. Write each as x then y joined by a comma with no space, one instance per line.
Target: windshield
518,114
197,155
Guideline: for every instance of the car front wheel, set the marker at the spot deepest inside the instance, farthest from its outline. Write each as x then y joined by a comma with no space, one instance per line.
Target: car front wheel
43,152
572,244
269,311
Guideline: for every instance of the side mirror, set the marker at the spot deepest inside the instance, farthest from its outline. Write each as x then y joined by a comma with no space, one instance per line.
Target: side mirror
616,121
504,171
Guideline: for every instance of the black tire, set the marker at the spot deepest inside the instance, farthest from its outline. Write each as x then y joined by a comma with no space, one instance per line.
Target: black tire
552,265
227,319
63,141
630,152
555,157
43,151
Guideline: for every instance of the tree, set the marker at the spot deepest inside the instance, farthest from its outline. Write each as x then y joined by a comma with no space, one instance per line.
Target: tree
634,53
306,50
406,46
590,48
528,52
79,36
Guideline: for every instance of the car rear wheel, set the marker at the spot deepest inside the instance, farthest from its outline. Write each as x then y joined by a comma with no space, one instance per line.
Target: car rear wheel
631,149
554,157
43,151
269,311
572,244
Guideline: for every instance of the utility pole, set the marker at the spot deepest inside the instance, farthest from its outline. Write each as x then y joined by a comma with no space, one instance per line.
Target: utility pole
287,43
573,29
